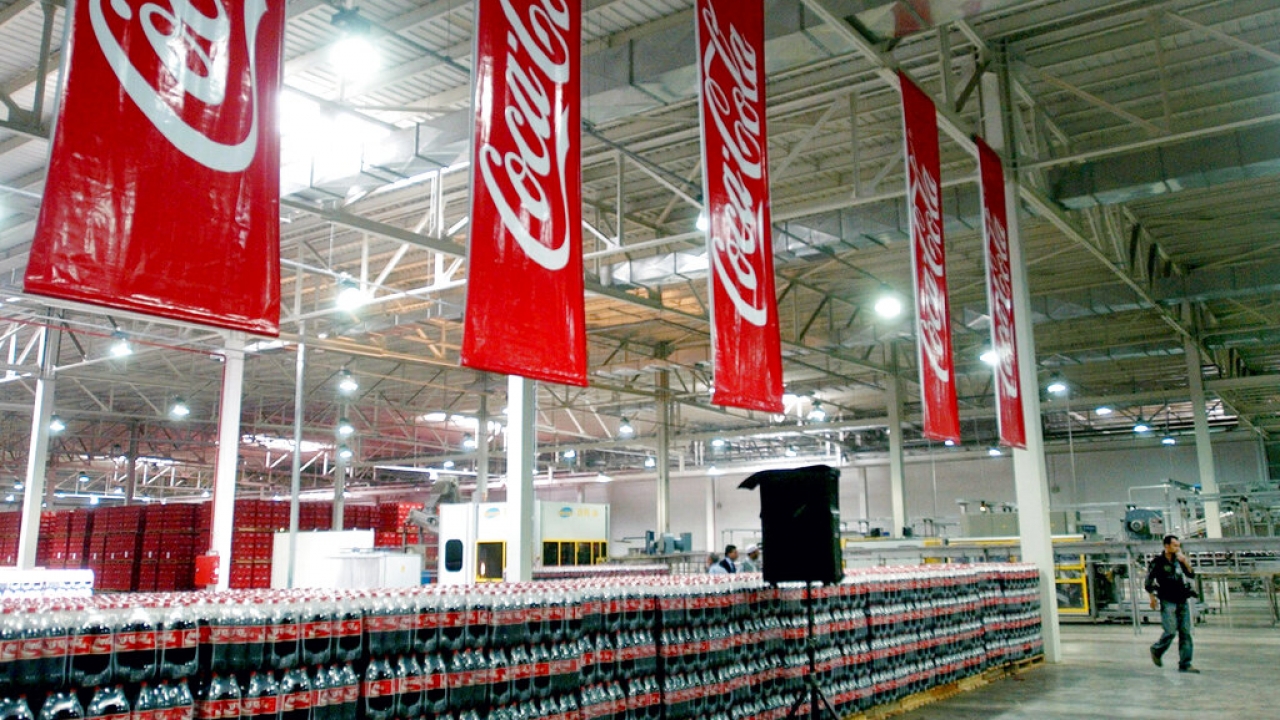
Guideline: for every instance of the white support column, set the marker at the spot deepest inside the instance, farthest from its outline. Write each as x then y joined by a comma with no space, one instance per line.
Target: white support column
522,443
1030,477
227,464
481,493
340,482
1204,446
37,455
711,514
663,484
295,474
897,477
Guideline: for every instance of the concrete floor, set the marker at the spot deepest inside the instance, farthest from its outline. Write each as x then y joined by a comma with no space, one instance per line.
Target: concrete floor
1106,672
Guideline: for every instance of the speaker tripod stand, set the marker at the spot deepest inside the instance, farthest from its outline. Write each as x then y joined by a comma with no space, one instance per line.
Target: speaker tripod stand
819,705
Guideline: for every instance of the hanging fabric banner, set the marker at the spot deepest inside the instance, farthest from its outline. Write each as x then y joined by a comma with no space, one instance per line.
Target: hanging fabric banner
745,347
995,228
525,292
163,189
928,264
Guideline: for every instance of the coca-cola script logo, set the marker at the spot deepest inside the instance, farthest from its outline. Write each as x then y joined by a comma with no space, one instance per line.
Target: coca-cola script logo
926,215
1001,283
192,54
524,168
731,97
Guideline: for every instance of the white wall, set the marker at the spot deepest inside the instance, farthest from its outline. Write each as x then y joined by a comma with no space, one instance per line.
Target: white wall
1099,490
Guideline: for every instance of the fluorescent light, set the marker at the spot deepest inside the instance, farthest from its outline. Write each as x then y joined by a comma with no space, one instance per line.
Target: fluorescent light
121,347
888,306
355,57
351,296
1104,410
817,414
347,383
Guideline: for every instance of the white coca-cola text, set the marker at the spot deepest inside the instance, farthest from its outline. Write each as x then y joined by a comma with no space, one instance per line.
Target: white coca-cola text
926,219
1000,282
738,228
194,51
532,171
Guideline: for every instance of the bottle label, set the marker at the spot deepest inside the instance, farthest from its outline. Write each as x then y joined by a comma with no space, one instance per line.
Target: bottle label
317,630
435,681
379,688
349,627
30,649
218,709
268,705
284,632
179,638
136,641
298,701
428,621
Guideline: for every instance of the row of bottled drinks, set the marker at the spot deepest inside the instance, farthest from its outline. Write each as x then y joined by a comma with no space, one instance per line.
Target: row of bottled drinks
722,647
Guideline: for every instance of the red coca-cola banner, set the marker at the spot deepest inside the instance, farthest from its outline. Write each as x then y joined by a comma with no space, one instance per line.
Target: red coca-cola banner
995,227
746,348
525,293
929,266
164,179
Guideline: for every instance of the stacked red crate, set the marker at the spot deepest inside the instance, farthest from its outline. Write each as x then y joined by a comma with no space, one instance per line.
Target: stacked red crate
254,526
45,542
359,517
122,529
79,532
315,516
10,524
394,529
169,548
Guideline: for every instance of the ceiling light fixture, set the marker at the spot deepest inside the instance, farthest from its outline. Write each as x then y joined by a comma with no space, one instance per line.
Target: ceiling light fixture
994,452
888,303
1057,385
817,414
626,429
345,428
351,297
949,443
84,477
703,223
569,454
717,442
1168,440
1103,411
354,56
121,347
347,383
469,442
179,409
650,462
1141,426
990,357
791,451
56,425
345,452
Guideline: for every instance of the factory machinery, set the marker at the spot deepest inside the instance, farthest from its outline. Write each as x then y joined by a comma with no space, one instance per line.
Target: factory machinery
1097,581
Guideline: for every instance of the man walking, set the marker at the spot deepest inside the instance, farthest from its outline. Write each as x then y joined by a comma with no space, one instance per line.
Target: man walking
1170,580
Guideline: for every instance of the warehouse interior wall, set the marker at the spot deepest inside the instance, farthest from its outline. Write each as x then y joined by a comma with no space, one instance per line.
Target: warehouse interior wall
1104,473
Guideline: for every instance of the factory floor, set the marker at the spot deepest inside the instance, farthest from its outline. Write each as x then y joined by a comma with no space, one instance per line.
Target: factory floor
1106,672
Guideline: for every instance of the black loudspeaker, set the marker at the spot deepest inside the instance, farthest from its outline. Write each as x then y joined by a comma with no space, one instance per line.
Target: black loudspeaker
800,518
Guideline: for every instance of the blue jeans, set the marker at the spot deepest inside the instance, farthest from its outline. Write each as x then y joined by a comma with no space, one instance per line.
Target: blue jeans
1175,618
